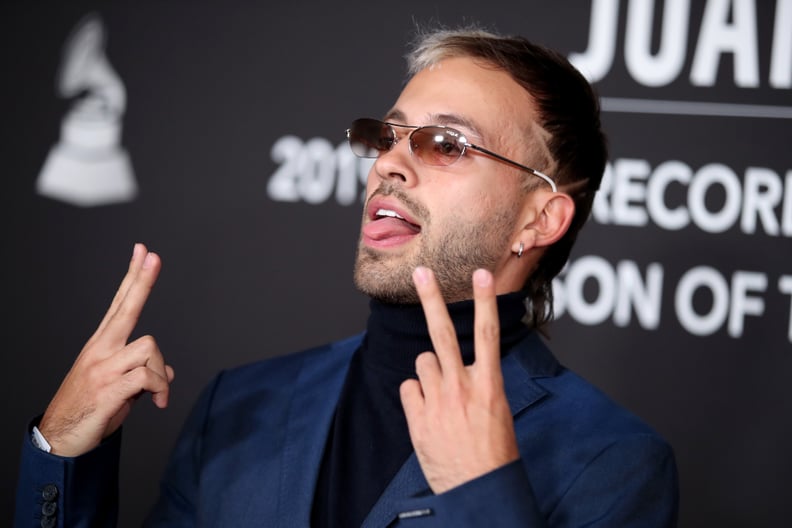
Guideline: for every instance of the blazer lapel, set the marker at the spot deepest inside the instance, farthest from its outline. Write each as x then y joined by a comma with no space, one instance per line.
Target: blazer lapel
529,359
311,412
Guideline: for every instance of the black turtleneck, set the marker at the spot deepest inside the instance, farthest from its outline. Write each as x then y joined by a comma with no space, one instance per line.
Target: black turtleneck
369,440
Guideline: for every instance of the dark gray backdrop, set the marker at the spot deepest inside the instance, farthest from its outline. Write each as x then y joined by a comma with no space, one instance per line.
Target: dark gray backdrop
213,87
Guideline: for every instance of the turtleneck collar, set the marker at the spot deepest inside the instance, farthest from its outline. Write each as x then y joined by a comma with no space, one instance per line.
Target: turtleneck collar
396,334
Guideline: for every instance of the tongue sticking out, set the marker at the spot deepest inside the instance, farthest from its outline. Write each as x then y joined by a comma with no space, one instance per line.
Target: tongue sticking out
390,228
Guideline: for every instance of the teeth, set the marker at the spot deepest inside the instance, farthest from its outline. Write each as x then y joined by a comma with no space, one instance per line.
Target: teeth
388,212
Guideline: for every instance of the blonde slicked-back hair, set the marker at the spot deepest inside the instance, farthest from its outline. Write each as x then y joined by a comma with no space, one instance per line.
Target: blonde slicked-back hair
567,110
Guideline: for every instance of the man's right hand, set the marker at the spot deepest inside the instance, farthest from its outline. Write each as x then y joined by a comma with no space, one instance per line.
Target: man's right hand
109,374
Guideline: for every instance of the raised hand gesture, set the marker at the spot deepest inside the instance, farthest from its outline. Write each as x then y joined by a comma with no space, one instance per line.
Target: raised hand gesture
110,373
458,416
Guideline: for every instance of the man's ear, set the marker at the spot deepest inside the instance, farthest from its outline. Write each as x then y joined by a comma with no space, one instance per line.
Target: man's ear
548,217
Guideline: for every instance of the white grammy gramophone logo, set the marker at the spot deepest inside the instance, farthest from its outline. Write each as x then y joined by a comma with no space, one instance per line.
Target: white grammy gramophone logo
88,167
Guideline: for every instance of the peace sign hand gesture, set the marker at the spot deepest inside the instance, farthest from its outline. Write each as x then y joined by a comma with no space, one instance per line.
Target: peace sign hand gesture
459,419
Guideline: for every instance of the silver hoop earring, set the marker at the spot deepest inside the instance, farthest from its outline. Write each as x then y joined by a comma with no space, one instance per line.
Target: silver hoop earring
520,251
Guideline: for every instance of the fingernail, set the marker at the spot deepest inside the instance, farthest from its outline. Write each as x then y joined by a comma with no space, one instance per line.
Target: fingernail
149,260
421,275
482,278
135,249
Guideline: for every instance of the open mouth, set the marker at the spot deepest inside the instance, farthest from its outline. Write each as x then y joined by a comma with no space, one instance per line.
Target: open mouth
388,226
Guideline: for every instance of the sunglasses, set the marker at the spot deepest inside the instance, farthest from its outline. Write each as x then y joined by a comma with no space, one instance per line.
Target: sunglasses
433,144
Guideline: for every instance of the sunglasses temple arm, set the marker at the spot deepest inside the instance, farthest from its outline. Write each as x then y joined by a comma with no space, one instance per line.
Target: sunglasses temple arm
535,172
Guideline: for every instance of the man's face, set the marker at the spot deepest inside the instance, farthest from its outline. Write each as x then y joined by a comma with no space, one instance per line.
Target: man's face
456,218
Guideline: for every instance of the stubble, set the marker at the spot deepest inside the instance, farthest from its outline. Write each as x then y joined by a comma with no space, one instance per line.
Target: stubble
453,250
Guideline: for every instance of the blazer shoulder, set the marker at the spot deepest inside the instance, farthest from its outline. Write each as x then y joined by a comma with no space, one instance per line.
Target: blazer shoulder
285,369
586,404
575,438
559,398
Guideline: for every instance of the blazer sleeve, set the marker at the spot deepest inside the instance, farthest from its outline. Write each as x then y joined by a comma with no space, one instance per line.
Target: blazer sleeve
68,492
631,484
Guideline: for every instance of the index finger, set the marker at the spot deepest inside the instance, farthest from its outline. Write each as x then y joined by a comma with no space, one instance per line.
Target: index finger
486,326
120,324
441,329
138,254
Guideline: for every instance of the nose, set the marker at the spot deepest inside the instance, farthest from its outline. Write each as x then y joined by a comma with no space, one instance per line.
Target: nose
397,164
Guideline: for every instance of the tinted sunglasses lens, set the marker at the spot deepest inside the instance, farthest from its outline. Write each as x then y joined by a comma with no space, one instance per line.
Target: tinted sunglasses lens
368,138
436,145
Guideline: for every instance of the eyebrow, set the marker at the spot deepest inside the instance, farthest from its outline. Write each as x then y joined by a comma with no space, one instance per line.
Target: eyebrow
398,116
394,115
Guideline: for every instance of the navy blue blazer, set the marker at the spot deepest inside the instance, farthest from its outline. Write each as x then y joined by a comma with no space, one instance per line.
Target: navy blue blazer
250,452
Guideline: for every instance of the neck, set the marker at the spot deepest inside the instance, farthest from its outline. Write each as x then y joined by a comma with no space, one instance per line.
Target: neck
397,333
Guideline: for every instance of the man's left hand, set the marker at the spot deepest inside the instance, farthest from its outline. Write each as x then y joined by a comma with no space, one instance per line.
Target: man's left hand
458,417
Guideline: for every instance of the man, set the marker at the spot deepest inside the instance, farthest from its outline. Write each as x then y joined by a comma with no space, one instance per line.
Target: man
486,169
